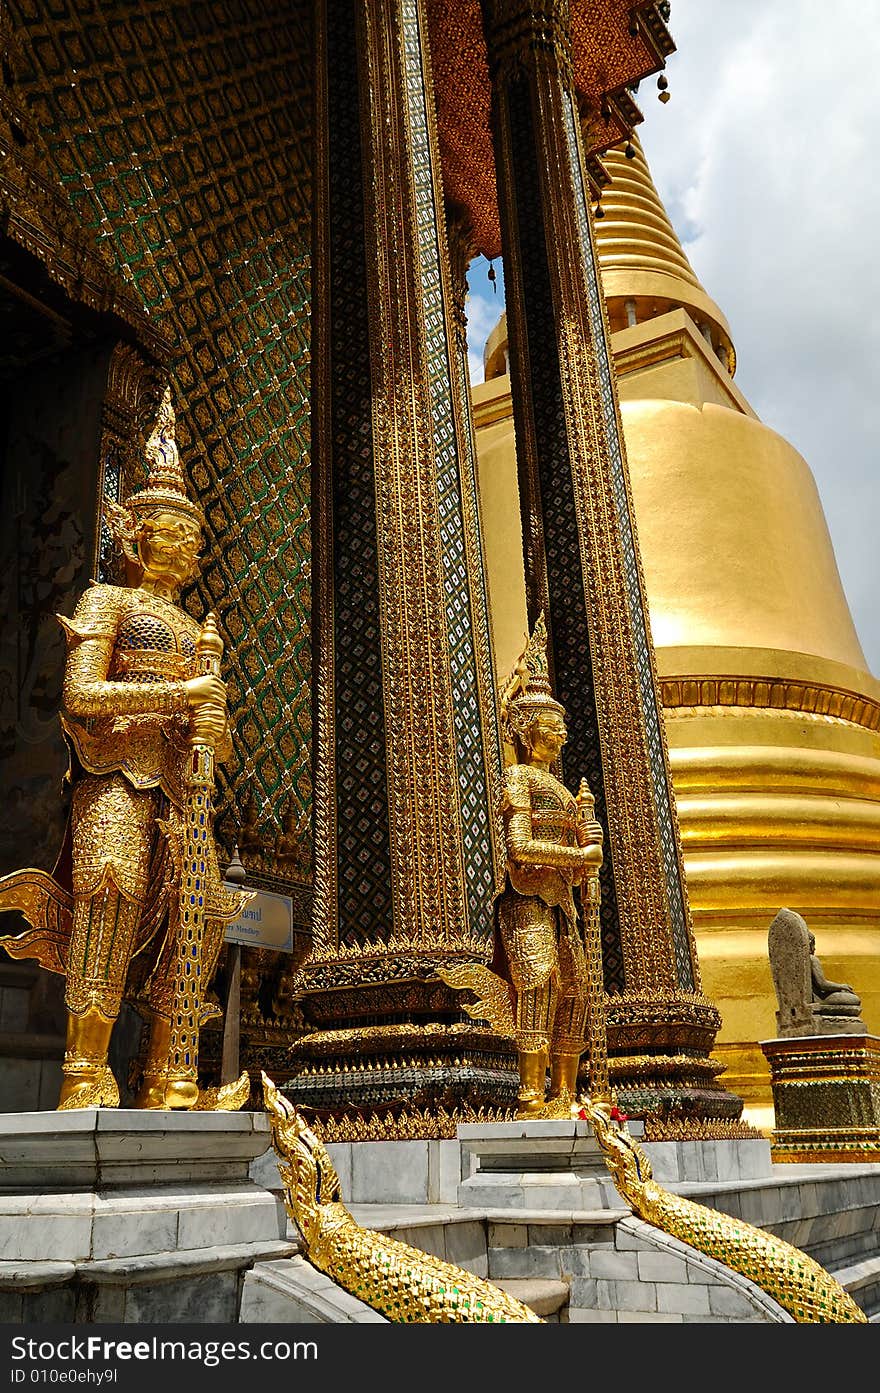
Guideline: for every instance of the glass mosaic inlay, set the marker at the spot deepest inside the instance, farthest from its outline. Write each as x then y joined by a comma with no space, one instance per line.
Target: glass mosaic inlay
472,781
634,596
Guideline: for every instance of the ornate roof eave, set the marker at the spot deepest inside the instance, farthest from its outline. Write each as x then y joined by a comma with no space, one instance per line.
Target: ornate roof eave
37,217
615,44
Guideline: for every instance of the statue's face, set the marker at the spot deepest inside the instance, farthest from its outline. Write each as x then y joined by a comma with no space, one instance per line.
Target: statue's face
547,735
168,546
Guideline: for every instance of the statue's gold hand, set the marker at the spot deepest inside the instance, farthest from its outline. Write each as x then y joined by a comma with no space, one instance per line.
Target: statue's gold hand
209,724
590,833
205,690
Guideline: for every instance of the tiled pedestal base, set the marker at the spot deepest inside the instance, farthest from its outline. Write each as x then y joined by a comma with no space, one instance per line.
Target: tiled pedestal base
826,1097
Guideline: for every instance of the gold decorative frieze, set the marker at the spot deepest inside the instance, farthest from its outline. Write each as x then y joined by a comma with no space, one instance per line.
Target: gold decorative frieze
698,1129
380,1039
770,694
409,1124
643,1066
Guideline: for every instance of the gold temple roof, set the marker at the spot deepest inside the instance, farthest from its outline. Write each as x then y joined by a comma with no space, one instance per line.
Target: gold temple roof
614,44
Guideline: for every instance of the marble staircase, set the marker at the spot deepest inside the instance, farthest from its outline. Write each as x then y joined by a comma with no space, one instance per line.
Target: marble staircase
116,1215
557,1220
831,1212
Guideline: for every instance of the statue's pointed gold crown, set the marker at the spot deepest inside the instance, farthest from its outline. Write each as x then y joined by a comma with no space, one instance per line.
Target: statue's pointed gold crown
165,487
527,689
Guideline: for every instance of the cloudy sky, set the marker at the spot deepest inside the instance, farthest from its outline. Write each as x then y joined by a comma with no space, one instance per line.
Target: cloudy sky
765,158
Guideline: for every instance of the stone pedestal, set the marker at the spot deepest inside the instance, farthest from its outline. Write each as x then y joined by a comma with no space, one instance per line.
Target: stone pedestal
826,1097
559,1164
126,1215
538,1164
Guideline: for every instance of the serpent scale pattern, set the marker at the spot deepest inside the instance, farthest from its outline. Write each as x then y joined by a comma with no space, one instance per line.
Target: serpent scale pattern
400,1282
803,1288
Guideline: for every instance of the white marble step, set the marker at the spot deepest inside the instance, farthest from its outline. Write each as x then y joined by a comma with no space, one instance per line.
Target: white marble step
859,1274
543,1295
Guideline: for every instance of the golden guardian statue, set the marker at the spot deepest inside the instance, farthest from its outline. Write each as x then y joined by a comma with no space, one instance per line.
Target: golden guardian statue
548,992
135,907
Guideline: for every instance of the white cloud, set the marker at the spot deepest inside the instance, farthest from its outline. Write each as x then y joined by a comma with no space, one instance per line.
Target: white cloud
483,313
765,158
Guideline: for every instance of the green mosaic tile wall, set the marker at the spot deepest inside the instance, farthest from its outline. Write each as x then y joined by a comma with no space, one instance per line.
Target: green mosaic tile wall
182,133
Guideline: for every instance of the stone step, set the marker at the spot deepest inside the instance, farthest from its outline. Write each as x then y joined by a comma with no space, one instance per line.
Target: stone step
862,1281
860,1274
545,1296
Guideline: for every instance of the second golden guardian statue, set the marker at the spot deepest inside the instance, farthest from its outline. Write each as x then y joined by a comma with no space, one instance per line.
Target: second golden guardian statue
136,908
548,991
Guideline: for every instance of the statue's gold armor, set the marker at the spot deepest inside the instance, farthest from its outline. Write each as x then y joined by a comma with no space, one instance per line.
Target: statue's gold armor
536,913
548,992
144,712
124,712
538,926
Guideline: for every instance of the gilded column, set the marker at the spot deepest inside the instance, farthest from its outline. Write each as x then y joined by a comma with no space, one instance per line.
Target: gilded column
584,571
407,764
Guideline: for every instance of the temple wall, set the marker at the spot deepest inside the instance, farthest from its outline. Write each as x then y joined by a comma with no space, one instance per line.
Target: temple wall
51,417
182,134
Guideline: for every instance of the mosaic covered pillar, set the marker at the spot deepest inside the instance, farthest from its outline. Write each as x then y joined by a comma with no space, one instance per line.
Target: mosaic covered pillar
407,769
583,570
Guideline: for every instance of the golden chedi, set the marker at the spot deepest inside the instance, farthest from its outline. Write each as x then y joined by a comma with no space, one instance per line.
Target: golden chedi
771,717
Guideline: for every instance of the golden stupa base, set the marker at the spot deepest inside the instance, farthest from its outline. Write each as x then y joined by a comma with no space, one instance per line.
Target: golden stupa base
661,1070
402,1082
826,1097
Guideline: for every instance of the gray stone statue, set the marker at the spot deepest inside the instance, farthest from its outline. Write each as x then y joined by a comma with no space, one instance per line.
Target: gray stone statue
809,1004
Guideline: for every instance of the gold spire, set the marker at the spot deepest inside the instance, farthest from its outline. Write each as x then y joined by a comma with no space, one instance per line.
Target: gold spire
163,457
644,269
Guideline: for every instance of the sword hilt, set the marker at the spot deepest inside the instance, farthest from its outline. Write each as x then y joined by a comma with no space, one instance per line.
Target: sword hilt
209,646
209,651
